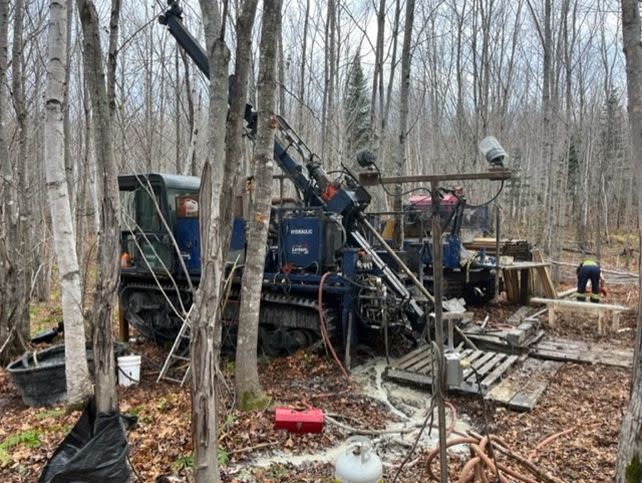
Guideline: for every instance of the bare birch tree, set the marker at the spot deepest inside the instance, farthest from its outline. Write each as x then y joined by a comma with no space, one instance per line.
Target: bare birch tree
234,151
22,256
14,321
108,207
629,458
248,387
76,369
204,350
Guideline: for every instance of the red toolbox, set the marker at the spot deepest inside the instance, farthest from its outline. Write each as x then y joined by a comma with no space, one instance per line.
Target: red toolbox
308,421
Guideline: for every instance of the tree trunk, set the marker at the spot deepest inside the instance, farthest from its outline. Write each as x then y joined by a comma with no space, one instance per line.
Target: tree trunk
404,94
76,369
107,267
238,100
629,457
204,350
327,115
248,388
234,145
302,78
112,55
23,201
69,161
12,320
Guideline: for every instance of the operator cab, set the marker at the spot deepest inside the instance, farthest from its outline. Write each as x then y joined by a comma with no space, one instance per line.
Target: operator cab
152,207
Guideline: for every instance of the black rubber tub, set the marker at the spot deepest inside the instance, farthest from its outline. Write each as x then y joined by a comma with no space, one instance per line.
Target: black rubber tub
44,384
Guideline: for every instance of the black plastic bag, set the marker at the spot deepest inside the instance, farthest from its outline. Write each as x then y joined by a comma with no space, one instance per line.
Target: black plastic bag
94,451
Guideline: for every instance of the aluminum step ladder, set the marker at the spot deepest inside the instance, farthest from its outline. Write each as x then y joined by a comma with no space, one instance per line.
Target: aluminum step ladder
184,334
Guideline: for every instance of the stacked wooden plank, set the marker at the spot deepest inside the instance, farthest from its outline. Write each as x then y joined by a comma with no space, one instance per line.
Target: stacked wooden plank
543,283
517,280
518,249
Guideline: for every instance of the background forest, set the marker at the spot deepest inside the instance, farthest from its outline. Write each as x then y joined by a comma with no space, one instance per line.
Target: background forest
545,77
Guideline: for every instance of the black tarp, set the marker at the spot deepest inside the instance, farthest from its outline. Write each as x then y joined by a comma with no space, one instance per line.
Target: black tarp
94,451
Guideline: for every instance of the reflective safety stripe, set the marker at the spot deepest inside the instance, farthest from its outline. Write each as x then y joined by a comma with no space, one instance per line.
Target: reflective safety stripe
589,262
595,296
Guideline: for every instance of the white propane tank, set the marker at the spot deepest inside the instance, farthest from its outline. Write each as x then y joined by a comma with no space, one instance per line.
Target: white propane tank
358,464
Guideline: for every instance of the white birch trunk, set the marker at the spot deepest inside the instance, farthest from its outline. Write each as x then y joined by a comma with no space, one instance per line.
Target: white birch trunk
76,370
248,388
203,348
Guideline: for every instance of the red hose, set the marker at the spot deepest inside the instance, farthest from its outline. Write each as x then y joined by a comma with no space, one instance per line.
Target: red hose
324,330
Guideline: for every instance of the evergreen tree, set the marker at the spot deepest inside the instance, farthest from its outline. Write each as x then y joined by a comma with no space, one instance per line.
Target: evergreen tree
612,129
356,110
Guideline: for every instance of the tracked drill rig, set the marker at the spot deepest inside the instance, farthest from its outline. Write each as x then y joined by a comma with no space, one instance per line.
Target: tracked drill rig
320,262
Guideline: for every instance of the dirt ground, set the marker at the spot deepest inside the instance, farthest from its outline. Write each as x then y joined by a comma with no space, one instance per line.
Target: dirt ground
583,401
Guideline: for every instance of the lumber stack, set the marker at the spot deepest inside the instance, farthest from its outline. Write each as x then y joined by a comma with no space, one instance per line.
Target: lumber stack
518,249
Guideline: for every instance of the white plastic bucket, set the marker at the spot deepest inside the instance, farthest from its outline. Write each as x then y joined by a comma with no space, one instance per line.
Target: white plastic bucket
128,370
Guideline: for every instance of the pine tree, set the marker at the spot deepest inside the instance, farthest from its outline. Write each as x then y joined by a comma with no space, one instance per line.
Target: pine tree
358,126
612,128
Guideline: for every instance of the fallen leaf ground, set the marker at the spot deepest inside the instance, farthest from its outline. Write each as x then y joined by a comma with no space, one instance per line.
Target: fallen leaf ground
589,400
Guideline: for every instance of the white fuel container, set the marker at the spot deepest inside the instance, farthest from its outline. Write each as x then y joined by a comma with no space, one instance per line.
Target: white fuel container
359,463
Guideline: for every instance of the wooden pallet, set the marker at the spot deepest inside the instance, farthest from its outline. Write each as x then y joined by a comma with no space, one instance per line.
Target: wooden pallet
416,368
568,350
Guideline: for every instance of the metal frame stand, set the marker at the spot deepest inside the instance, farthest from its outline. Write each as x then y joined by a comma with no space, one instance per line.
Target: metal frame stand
439,385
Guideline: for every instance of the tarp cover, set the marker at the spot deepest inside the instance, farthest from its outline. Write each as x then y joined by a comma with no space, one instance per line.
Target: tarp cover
95,450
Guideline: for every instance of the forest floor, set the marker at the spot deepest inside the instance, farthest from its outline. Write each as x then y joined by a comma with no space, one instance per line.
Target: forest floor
584,401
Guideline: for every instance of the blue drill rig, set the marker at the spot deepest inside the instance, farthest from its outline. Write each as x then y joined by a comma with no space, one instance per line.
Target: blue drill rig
321,261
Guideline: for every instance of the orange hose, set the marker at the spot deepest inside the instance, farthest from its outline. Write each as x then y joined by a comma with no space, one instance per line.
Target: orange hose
553,437
479,461
324,330
468,470
453,418
435,452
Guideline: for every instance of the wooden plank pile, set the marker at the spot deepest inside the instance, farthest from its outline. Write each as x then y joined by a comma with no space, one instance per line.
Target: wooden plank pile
518,249
514,335
523,279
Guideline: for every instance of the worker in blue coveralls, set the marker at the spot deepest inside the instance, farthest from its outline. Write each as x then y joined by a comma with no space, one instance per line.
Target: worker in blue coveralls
589,270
